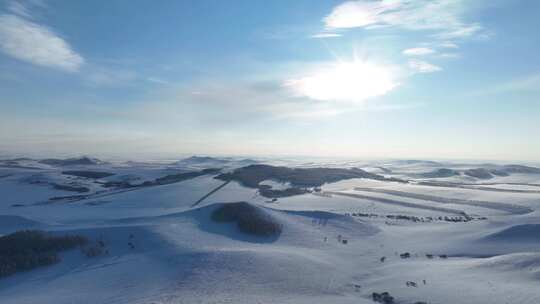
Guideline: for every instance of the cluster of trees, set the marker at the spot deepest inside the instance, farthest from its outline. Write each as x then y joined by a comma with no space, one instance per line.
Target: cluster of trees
299,178
383,297
175,178
272,193
164,180
249,219
454,219
386,298
87,174
28,249
73,188
251,176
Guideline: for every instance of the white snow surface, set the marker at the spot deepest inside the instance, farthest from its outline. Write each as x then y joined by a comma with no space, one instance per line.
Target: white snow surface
180,255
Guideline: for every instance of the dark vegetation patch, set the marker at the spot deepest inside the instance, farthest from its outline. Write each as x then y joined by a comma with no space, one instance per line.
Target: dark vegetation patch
249,219
175,178
251,176
275,193
384,170
82,161
479,173
124,185
16,159
29,249
499,172
484,173
15,165
299,178
490,169
117,184
193,160
88,174
521,169
420,219
69,197
443,172
164,180
71,188
383,297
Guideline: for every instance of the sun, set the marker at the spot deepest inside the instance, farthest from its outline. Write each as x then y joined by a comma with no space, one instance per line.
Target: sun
349,81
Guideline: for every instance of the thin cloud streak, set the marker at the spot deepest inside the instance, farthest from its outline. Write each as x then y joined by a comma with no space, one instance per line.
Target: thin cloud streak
418,51
441,16
326,35
420,66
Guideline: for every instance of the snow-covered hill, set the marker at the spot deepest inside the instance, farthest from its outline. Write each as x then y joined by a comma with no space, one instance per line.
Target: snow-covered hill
460,238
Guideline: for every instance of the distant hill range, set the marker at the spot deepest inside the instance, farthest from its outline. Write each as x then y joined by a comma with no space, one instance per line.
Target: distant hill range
487,172
214,161
81,161
443,172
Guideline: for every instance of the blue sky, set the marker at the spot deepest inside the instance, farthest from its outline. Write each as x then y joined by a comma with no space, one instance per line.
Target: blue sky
365,79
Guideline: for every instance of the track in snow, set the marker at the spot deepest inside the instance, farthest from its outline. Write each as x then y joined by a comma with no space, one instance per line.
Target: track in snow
511,208
396,202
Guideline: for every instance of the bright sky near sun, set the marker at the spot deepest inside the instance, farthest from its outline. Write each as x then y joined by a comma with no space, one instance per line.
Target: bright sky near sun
365,79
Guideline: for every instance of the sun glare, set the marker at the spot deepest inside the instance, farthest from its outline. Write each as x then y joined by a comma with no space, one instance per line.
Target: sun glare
352,81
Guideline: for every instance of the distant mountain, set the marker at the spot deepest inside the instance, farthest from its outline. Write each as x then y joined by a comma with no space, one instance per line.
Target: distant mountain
499,172
82,161
214,161
247,161
87,174
418,162
486,172
384,170
14,164
480,173
443,172
16,159
201,160
520,169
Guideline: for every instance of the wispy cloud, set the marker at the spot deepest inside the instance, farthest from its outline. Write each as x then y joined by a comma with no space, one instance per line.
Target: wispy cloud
419,51
441,16
220,103
441,23
109,77
157,80
326,35
19,8
461,32
449,45
37,44
420,66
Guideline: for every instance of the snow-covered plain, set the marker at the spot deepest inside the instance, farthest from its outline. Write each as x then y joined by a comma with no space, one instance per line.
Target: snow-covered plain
470,240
